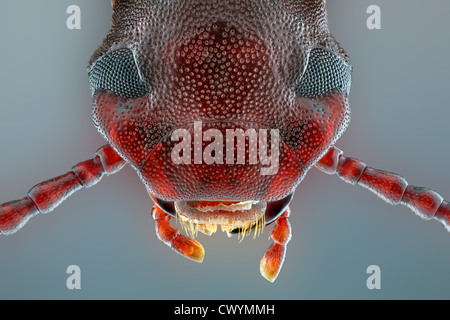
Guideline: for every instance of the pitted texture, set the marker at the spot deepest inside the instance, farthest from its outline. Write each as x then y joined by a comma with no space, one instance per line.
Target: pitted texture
231,64
324,73
117,72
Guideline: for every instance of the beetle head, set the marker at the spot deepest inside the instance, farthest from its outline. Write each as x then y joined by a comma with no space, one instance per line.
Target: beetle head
269,67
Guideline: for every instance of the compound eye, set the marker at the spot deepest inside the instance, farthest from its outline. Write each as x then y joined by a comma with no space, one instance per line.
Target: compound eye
118,73
325,73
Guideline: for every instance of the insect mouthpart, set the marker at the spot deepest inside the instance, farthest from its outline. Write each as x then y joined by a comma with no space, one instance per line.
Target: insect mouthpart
234,216
206,216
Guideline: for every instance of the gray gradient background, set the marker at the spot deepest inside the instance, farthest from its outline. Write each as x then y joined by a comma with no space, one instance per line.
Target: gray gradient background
400,122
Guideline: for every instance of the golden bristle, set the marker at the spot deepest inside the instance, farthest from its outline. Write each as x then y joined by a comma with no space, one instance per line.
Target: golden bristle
192,227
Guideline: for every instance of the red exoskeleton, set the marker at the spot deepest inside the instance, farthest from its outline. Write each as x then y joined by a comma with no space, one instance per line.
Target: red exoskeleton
234,66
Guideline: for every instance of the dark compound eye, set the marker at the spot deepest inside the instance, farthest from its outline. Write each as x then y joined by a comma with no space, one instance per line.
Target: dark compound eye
325,73
117,72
